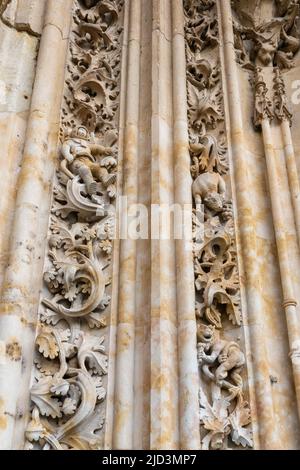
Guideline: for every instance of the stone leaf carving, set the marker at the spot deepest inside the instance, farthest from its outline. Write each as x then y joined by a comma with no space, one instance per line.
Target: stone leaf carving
76,278
226,413
221,424
201,24
217,280
268,41
225,416
65,401
94,67
203,78
204,96
69,386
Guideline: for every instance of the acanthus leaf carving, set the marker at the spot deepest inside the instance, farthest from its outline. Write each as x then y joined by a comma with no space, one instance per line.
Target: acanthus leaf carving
221,362
225,417
204,96
71,364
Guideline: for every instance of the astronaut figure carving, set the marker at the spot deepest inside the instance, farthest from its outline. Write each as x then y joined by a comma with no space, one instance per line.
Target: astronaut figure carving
81,157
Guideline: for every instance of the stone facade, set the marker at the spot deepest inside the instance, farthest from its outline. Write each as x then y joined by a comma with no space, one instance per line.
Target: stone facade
114,334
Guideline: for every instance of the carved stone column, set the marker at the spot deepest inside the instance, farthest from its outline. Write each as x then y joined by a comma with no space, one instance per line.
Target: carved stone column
20,294
263,117
124,388
266,52
70,371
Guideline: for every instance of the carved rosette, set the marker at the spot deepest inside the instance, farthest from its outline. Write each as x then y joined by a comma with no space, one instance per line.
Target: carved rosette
69,384
225,417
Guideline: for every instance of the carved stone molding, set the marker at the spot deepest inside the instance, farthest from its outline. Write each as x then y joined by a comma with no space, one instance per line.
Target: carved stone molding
281,108
224,411
263,107
69,385
265,42
267,37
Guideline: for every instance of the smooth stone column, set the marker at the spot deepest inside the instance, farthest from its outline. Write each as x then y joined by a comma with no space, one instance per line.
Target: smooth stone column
187,329
292,172
124,383
284,256
17,72
22,281
164,363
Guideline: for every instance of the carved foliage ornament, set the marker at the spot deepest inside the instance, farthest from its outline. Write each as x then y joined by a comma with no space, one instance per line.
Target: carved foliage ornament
266,35
264,108
69,384
224,412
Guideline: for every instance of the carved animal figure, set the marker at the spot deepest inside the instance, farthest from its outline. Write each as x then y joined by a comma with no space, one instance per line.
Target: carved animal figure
209,189
265,53
79,154
225,356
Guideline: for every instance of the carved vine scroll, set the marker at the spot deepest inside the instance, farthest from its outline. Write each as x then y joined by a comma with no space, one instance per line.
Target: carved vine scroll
225,417
69,384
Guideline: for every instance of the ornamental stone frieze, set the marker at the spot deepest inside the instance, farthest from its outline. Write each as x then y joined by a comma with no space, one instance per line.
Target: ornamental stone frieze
150,224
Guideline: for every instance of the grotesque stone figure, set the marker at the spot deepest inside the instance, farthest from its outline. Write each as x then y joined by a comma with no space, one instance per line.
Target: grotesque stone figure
224,356
80,156
209,189
265,53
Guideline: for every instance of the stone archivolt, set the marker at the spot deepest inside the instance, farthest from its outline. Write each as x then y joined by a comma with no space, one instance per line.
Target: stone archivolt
224,412
68,390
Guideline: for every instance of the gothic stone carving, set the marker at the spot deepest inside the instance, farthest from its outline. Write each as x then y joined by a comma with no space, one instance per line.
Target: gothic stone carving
221,362
224,412
272,42
281,108
68,391
266,42
264,108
